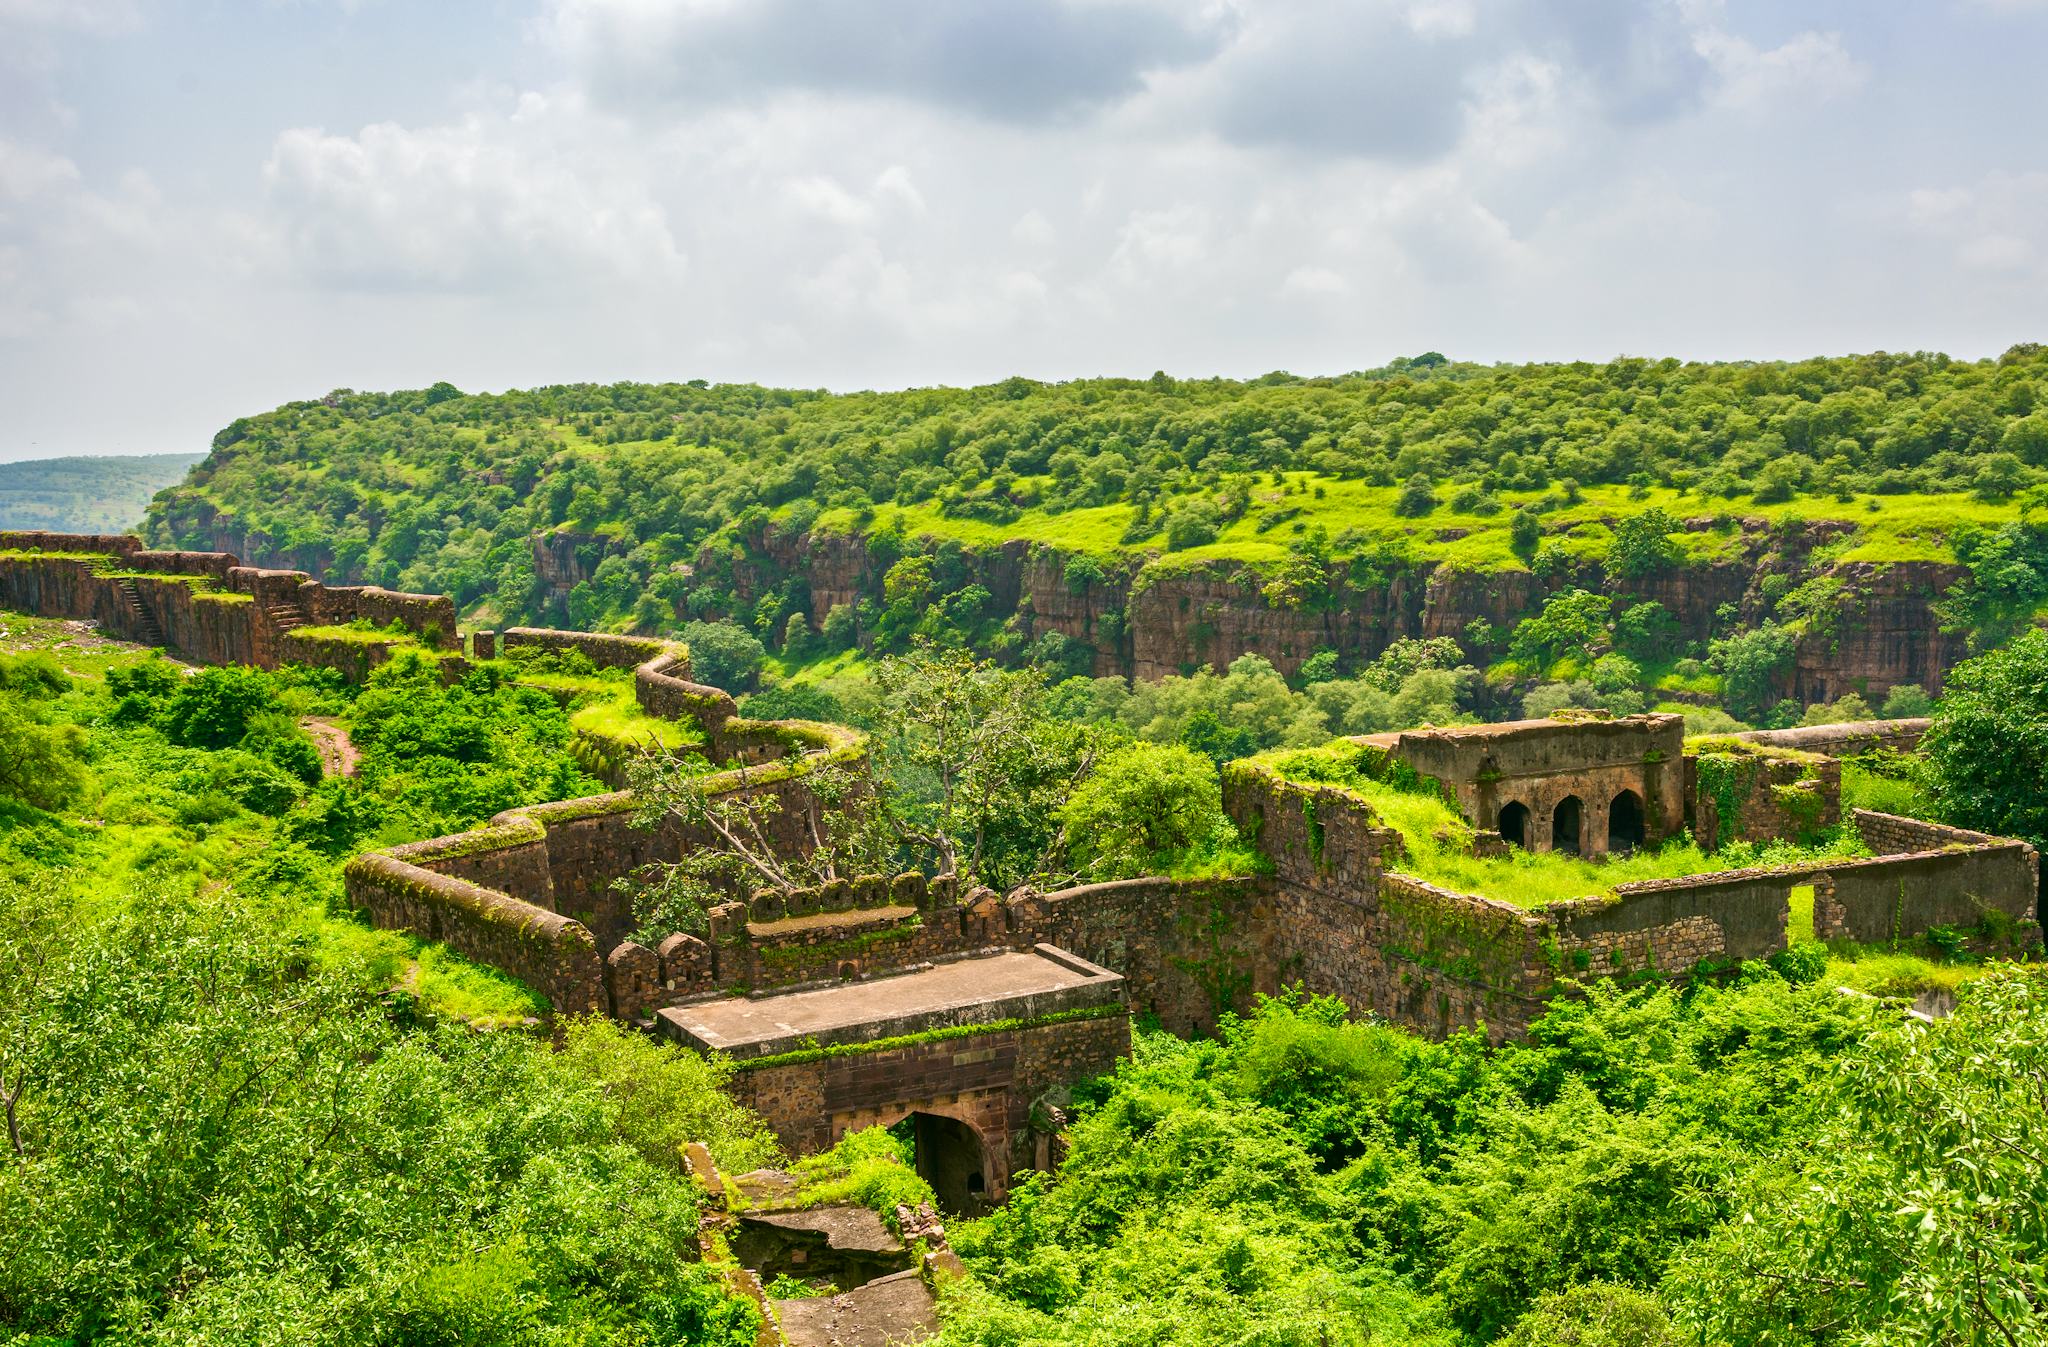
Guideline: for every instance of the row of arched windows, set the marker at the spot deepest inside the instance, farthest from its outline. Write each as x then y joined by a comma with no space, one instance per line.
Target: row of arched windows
1624,823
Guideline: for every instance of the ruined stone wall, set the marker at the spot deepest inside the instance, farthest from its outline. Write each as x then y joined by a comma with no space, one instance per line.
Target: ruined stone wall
1928,875
604,650
429,617
37,540
1846,740
1541,765
204,606
548,952
1776,793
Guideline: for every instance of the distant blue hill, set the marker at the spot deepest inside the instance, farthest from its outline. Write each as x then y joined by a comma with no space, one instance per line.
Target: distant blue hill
86,495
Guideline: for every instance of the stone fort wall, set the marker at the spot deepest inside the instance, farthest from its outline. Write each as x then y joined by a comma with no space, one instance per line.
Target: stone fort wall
532,892
1344,919
205,607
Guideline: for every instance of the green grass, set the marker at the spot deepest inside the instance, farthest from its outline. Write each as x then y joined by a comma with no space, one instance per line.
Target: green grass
359,633
86,654
1898,972
1438,840
620,718
1865,789
1901,528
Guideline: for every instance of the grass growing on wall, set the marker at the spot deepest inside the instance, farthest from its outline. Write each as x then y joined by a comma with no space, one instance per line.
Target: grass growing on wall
1438,840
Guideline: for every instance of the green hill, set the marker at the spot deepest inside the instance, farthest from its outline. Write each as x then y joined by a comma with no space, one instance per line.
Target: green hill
85,495
1155,525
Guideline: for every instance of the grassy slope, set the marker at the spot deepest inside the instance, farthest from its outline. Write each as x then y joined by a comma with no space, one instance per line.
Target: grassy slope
131,832
1887,528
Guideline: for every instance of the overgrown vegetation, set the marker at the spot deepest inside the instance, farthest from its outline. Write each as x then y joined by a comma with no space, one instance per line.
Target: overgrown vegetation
1762,1162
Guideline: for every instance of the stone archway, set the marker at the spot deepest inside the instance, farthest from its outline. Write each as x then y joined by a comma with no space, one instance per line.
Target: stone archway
953,1160
1564,825
1514,822
1625,830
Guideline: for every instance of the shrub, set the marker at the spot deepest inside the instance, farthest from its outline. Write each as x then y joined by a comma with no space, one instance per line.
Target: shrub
1416,498
1907,701
1144,808
1191,524
724,654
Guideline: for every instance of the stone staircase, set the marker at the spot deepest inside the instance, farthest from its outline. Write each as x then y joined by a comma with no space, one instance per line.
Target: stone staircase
141,621
288,616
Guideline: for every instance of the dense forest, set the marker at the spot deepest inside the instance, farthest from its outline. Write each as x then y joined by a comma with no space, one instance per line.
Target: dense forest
85,495
1754,538
439,491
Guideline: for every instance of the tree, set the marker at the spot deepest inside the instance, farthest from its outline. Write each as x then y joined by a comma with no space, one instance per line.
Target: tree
1987,750
724,654
1142,810
1191,524
968,767
1573,622
1907,701
1525,531
1596,1314
971,763
1417,497
1642,545
1750,663
40,763
1915,1212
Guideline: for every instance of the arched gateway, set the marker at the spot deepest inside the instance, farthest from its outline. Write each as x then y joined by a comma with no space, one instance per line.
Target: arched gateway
818,1064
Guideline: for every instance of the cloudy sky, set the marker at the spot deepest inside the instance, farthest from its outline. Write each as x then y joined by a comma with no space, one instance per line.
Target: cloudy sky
210,207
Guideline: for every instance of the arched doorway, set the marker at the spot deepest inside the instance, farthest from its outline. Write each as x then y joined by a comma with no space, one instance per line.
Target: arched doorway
1514,822
951,1160
1564,825
1625,823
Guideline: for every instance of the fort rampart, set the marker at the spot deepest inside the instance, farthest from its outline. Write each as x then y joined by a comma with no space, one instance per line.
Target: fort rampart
535,892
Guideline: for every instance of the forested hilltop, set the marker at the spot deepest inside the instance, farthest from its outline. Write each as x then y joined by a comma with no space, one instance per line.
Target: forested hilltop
85,495
1858,523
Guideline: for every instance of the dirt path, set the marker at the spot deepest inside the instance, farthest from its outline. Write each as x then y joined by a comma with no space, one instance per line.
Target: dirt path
337,754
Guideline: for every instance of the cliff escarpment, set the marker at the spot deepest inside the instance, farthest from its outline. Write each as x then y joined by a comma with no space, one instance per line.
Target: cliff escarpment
1865,627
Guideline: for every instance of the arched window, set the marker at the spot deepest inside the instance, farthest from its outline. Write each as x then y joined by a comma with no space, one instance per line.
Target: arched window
1514,822
1564,825
1625,823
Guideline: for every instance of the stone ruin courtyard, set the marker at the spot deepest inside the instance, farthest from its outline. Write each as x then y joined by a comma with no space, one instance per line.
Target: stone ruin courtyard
966,1013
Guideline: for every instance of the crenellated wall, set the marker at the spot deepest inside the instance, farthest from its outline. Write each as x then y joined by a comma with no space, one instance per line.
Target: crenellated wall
205,606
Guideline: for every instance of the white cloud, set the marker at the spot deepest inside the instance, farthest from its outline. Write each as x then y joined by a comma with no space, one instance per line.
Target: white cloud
530,200
1813,66
1308,280
1996,227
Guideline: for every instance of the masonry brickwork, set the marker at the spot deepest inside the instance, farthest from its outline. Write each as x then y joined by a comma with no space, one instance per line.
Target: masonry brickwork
1565,781
206,606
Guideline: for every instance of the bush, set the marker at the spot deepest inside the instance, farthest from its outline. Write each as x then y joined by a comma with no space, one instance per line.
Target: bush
1144,809
1907,701
724,654
793,701
1597,1314
214,707
1191,524
39,763
1417,497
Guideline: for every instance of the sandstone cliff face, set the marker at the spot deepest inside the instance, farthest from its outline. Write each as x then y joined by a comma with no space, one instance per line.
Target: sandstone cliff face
1882,630
1883,633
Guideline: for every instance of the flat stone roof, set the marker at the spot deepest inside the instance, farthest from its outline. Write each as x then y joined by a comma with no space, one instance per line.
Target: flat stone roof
1014,985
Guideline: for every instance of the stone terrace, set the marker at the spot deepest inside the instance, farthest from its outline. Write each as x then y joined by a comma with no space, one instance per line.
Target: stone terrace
1022,985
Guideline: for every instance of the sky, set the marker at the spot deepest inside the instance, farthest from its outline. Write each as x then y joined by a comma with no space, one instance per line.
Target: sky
211,208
